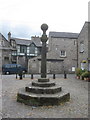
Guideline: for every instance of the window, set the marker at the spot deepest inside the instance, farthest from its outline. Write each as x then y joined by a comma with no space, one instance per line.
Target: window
23,49
13,43
62,53
18,49
19,66
12,66
36,51
75,42
6,58
32,49
27,50
81,47
14,53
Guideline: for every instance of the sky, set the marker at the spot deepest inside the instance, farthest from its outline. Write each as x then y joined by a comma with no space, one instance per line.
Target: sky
23,18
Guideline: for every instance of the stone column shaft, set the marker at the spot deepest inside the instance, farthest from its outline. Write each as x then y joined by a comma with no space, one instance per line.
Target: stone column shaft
43,61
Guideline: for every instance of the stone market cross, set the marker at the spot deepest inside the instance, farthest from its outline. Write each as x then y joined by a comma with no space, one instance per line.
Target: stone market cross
43,91
44,39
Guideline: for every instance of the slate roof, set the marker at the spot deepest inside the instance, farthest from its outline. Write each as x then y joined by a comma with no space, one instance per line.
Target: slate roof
2,36
37,41
27,42
21,41
63,35
6,45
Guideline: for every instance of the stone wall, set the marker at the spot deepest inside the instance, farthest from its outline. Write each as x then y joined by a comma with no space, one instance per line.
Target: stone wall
22,61
89,46
0,53
6,50
34,66
69,45
6,56
54,66
0,60
83,37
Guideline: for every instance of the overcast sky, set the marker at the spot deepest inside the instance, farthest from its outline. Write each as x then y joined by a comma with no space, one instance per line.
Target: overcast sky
23,18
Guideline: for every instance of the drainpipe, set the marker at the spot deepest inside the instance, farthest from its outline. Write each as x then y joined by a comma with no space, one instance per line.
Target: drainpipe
77,53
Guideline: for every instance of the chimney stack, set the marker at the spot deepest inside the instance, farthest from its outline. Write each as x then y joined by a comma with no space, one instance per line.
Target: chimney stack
9,36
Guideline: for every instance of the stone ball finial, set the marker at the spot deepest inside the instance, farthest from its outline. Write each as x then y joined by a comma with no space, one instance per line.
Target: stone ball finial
44,27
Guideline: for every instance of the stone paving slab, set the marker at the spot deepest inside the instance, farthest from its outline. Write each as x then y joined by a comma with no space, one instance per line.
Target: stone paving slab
77,107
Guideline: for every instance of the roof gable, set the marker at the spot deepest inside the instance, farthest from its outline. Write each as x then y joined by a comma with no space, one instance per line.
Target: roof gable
32,44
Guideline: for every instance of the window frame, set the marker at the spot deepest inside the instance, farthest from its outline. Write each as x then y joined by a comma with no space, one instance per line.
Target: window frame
62,55
23,48
81,47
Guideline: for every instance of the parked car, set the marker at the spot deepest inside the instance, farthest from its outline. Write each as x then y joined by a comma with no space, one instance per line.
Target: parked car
13,69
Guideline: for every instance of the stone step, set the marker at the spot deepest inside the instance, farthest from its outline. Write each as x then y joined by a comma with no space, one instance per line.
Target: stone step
43,84
43,80
43,90
42,99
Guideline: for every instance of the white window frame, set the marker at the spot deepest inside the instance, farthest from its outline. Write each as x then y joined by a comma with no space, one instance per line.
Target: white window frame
81,47
62,55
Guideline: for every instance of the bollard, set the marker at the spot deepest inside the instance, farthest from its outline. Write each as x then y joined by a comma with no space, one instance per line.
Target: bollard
54,76
20,76
31,76
65,75
23,75
16,75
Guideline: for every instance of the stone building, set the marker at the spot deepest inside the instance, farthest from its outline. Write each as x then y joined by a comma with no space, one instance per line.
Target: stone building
84,47
61,55
5,50
63,47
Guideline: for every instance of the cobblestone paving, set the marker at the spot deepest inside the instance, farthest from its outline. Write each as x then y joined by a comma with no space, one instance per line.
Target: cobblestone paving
77,107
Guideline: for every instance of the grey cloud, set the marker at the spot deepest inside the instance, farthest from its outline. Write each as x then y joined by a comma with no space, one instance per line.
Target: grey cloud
18,31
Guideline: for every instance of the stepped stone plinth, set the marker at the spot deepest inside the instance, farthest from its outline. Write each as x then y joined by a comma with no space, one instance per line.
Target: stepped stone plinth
43,91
